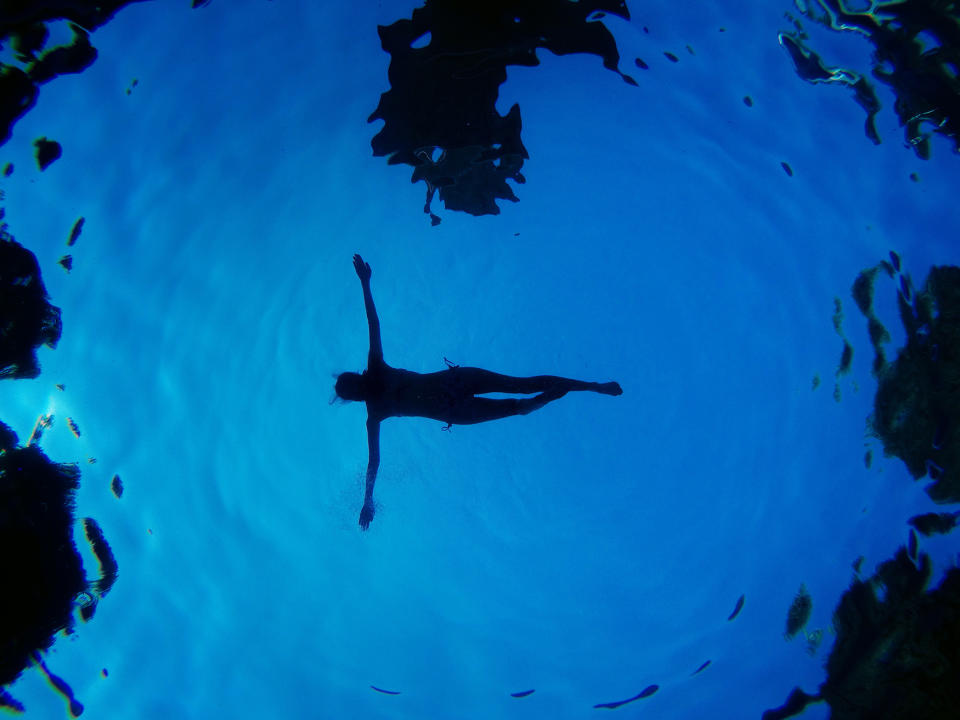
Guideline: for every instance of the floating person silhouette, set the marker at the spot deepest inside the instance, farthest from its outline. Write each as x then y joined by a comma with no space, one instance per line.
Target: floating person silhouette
449,396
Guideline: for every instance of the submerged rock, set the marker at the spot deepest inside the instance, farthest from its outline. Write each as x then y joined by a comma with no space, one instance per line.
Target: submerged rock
737,608
47,151
916,411
645,693
916,408
447,63
897,655
44,579
27,319
25,26
914,54
75,231
934,523
799,612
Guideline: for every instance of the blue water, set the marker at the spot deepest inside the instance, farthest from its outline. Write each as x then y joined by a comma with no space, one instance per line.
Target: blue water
587,550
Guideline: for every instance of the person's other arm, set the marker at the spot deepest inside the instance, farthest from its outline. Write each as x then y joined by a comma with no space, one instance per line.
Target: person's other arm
373,464
376,349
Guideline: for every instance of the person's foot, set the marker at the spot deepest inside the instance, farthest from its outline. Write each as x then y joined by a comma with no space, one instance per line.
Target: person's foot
610,388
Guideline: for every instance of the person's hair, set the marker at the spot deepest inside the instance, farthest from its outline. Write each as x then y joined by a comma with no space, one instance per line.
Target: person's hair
351,386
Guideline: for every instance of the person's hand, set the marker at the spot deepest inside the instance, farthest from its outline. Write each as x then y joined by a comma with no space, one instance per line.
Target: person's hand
366,513
362,268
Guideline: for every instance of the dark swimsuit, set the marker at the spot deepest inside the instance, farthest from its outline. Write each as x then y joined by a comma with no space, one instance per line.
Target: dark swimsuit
447,395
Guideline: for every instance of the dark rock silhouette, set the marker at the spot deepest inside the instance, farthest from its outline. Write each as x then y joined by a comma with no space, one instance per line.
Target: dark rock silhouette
737,608
101,550
799,612
796,703
17,95
916,410
74,706
645,693
44,580
65,59
440,113
23,25
862,292
702,667
923,79
47,152
895,657
934,523
11,703
27,319
385,692
75,232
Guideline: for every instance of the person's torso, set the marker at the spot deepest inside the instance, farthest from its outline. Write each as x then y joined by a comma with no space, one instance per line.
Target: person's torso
404,393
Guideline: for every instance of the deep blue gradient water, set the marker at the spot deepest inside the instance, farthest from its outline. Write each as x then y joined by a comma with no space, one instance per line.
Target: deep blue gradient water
587,550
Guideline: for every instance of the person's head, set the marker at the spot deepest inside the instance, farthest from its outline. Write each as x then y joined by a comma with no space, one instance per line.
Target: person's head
351,386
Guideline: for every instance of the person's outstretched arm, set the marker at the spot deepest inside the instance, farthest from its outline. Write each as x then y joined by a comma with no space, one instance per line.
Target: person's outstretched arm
376,349
373,464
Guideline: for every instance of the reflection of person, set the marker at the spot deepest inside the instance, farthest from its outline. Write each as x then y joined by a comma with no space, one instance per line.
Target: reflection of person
449,396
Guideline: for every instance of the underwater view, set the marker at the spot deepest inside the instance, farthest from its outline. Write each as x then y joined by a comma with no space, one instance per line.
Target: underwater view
479,359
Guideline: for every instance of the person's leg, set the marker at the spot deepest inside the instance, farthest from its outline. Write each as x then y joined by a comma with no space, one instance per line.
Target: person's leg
476,381
475,410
